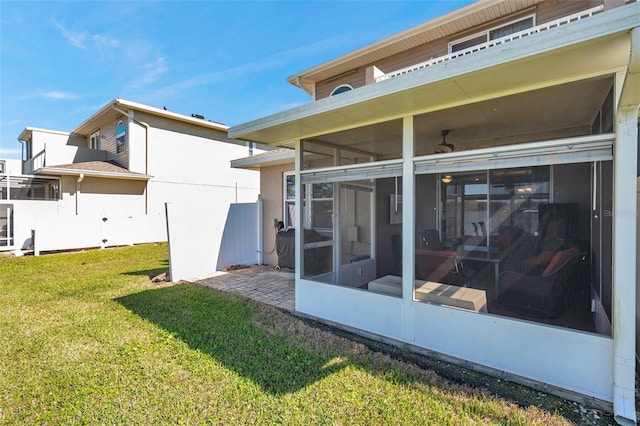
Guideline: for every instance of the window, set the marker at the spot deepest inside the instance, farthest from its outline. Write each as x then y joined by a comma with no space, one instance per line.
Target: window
20,187
1,166
94,140
318,204
492,34
289,201
6,225
536,245
341,89
121,137
29,148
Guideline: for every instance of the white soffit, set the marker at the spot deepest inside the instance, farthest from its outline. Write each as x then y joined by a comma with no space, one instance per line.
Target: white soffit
595,46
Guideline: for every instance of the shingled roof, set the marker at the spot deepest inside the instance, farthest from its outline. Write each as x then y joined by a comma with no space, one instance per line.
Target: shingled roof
105,169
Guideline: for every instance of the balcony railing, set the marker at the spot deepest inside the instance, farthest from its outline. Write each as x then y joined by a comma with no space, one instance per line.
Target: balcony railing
496,42
36,162
55,155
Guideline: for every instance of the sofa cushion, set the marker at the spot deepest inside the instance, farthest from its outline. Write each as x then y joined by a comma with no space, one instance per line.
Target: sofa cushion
558,260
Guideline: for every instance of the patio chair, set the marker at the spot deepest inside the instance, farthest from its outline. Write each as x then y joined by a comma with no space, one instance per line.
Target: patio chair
562,286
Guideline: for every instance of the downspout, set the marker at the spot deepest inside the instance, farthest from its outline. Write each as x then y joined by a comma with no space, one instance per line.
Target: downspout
22,155
146,152
624,254
80,179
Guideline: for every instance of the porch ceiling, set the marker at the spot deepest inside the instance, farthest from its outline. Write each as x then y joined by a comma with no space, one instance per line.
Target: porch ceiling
519,67
565,107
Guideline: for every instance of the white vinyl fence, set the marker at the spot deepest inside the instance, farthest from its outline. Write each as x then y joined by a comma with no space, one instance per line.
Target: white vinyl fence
75,232
202,241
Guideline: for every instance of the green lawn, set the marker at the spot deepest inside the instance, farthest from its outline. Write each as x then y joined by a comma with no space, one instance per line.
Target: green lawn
87,338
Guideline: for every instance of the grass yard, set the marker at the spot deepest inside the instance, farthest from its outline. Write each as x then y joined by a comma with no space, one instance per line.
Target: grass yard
87,338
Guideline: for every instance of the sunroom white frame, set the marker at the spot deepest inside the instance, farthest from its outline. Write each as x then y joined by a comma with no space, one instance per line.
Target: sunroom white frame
522,348
565,56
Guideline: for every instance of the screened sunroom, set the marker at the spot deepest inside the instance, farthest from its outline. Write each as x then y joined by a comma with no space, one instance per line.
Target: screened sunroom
483,210
504,222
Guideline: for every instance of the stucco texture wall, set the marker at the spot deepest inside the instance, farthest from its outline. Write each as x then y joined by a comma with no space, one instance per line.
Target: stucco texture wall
271,187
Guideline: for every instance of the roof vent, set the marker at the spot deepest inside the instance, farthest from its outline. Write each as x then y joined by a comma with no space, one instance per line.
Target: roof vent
201,117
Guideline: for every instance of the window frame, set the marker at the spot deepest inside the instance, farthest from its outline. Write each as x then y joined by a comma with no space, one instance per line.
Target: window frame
94,140
286,201
121,138
308,208
486,33
347,86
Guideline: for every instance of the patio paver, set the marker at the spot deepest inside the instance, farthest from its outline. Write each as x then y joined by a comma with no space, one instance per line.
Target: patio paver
261,283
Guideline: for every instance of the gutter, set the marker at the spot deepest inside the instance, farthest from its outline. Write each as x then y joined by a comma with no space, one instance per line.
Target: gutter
22,155
146,152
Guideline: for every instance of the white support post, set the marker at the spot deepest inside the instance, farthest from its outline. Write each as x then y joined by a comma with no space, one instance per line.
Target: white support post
260,242
408,227
299,235
624,226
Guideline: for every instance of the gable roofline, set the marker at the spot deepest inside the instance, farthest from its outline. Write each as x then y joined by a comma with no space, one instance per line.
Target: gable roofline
87,126
456,21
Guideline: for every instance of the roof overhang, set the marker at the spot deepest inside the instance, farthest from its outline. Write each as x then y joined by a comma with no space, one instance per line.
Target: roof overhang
114,109
459,20
267,159
61,171
26,133
588,48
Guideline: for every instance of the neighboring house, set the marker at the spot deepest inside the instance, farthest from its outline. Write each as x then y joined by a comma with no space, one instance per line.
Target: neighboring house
107,181
468,186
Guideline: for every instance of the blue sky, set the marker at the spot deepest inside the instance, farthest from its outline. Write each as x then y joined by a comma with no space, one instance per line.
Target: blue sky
61,61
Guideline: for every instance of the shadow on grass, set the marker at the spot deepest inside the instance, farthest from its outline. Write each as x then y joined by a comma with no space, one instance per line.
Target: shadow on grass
227,328
150,272
224,328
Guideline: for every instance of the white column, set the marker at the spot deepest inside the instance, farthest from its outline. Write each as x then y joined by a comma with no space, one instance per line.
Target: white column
299,236
624,248
408,228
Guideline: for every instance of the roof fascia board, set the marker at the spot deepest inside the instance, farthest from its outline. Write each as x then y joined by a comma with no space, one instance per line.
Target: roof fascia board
129,105
256,162
171,115
608,23
25,133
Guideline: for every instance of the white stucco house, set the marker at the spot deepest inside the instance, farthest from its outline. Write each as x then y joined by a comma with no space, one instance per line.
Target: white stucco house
469,187
106,182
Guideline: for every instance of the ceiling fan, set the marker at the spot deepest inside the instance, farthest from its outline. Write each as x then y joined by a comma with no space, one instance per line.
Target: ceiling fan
443,146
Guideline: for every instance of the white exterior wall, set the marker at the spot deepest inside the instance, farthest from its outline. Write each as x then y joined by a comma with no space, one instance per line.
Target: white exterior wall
136,146
489,340
12,166
40,138
190,168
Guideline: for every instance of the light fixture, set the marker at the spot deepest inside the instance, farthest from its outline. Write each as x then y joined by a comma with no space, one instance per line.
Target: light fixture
446,179
444,134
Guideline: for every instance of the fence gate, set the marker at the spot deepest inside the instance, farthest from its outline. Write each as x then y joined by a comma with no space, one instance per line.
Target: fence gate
241,238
